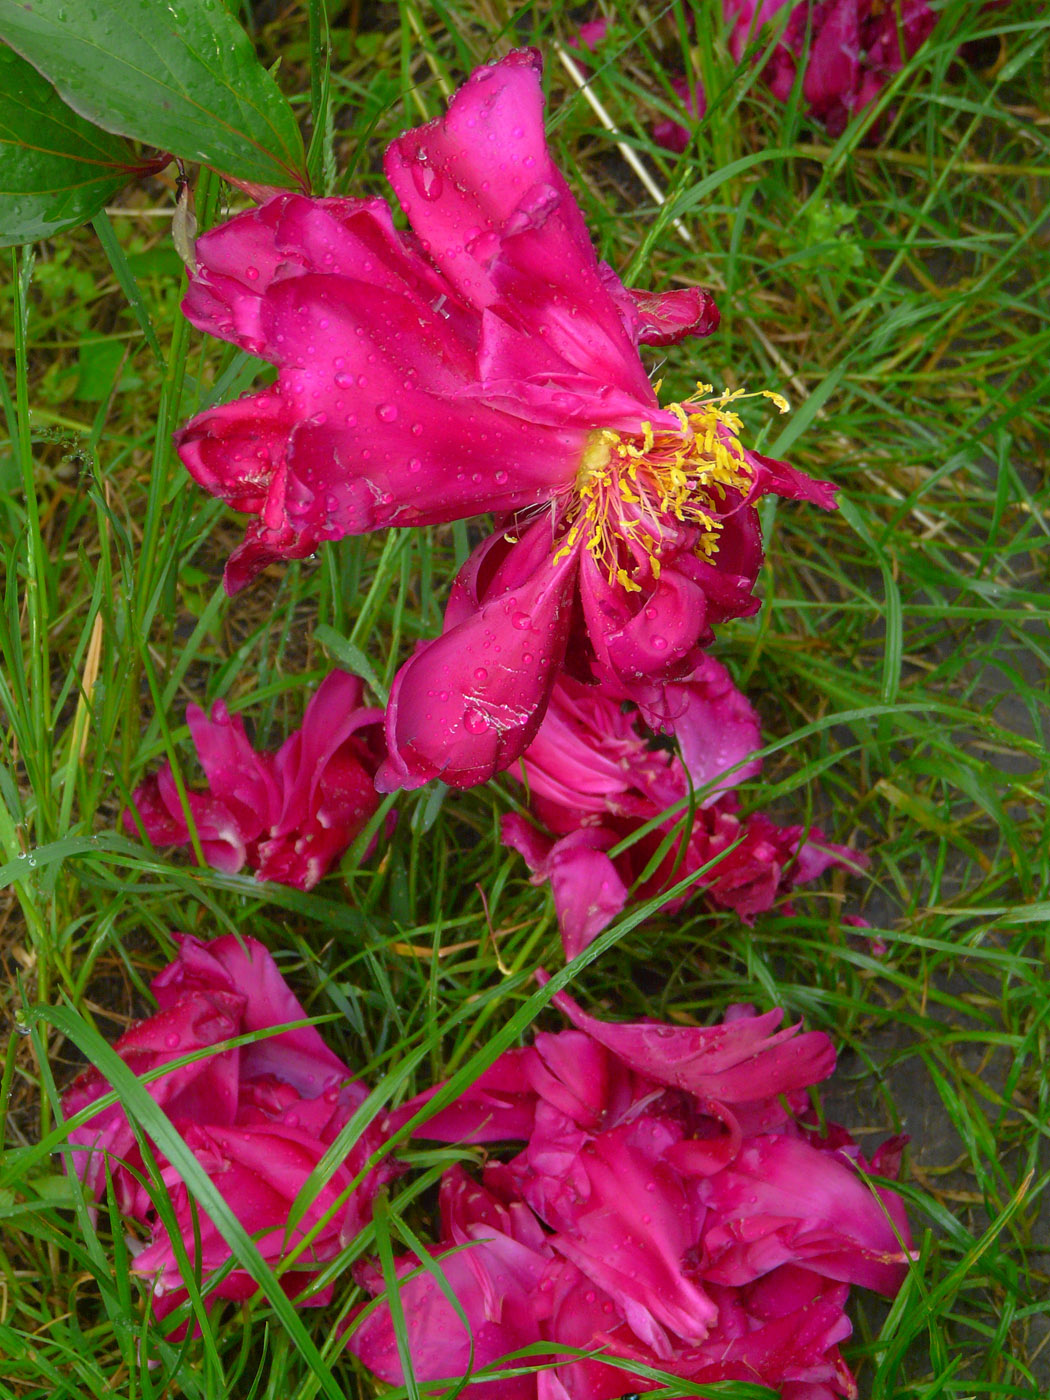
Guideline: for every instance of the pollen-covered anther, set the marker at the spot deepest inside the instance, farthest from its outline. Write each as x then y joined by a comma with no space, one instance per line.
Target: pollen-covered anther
634,492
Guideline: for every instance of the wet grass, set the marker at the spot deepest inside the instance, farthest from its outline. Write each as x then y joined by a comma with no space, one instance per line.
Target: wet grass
893,285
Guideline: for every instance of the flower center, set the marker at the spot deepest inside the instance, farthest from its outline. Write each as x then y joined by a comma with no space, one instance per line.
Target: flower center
636,494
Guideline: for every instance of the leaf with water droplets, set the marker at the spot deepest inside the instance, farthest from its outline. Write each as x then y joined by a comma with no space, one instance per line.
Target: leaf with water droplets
184,78
56,169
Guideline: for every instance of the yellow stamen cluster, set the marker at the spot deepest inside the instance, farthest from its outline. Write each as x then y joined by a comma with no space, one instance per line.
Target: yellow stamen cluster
637,489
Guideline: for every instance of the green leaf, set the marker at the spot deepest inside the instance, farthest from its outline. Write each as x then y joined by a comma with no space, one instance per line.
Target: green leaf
56,169
183,77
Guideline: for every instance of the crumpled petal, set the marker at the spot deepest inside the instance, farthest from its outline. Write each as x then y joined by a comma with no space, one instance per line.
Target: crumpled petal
258,1118
494,1281
479,185
645,1221
207,1088
745,1060
466,705
289,815
587,888
668,317
783,1199
243,966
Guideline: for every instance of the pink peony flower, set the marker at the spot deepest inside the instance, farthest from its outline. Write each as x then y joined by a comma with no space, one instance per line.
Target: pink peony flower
288,815
671,1208
486,361
258,1119
849,48
595,775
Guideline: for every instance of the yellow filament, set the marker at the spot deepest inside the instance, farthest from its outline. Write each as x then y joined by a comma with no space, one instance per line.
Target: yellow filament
677,476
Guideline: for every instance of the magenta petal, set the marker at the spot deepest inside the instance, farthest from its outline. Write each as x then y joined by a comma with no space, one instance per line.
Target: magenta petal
587,888
327,792
715,725
480,189
224,834
641,635
239,262
298,1057
494,1281
244,778
206,1088
387,436
466,705
783,1200
237,451
834,58
236,263
668,317
745,1060
631,1234
772,477
498,1106
260,1170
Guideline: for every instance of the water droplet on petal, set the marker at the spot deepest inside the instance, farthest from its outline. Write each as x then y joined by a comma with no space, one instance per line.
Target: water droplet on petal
659,643
481,675
171,1041
522,621
500,477
414,464
251,273
386,412
345,381
427,181
475,722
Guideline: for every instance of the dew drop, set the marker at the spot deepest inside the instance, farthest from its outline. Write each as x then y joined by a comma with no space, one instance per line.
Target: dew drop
522,621
171,1041
414,464
252,273
500,476
475,722
427,181
345,381
659,644
386,412
481,675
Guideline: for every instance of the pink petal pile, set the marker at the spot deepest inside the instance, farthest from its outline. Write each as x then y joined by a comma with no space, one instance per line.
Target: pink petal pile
288,815
484,361
849,49
674,1206
258,1119
595,776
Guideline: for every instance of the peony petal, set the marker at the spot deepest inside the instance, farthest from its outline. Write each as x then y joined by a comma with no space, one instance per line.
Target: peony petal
207,1088
466,705
480,189
666,318
783,1200
747,1059
715,725
243,778
221,832
242,965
